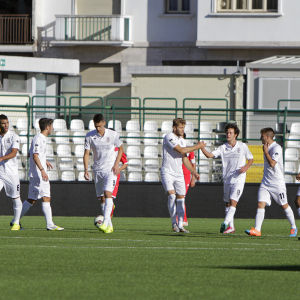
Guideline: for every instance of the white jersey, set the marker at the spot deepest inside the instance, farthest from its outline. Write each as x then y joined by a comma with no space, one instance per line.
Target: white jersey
233,159
103,148
9,141
274,176
39,146
172,160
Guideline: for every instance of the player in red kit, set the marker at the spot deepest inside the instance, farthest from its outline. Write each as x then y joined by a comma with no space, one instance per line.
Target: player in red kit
188,178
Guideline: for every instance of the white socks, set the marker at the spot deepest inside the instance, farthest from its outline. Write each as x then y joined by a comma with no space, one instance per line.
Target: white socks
260,215
25,208
231,223
17,210
172,207
180,211
107,211
48,213
229,216
290,216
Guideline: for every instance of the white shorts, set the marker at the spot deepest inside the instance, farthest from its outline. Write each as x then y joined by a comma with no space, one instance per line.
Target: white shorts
171,182
104,182
278,193
233,191
38,188
11,184
298,192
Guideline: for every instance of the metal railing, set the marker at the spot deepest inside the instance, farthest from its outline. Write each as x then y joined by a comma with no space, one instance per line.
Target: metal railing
249,119
92,28
15,29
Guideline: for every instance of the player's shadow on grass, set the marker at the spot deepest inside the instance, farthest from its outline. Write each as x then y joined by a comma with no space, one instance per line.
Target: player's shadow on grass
294,268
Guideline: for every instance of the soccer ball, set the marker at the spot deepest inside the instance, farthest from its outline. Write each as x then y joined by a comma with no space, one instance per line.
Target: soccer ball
98,221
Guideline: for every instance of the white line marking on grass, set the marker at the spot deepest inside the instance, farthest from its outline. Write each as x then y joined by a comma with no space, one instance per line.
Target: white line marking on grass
150,248
146,241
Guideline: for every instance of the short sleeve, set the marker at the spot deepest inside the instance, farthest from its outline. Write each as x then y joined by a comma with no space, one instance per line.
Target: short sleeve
192,157
217,152
37,145
248,154
170,141
118,142
16,142
276,153
124,159
87,145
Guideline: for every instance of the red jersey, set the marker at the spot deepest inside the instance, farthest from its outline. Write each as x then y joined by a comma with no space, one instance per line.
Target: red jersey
191,157
123,158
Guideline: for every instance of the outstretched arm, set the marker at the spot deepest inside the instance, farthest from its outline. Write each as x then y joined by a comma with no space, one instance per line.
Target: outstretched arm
185,150
207,154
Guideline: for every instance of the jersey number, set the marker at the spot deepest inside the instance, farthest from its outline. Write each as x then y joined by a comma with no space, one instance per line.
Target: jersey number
18,187
281,195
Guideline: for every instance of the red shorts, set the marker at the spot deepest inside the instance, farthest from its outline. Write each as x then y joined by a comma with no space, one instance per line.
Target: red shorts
187,180
115,191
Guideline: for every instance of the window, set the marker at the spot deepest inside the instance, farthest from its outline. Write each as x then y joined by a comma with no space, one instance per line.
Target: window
247,6
178,6
69,87
16,82
270,90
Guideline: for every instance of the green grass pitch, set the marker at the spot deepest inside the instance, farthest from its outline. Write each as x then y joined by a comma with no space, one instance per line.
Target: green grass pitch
144,259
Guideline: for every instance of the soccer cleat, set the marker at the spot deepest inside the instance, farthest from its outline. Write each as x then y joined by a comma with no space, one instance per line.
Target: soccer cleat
223,227
103,227
175,227
253,232
112,211
15,227
229,230
55,228
109,229
183,230
185,223
294,232
11,224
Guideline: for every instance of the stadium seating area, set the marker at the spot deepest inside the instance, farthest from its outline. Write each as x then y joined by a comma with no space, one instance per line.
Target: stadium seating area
143,146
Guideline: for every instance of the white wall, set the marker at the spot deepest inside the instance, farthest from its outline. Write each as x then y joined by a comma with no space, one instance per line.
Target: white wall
149,23
246,30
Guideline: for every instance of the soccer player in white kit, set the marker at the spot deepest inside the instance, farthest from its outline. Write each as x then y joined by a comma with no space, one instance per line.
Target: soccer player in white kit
9,177
233,155
174,154
297,200
39,186
273,184
103,141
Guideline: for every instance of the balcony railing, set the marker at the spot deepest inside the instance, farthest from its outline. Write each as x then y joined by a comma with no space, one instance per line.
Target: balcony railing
15,29
92,28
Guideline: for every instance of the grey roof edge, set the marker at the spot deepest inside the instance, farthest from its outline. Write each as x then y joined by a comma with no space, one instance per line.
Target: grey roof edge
185,70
